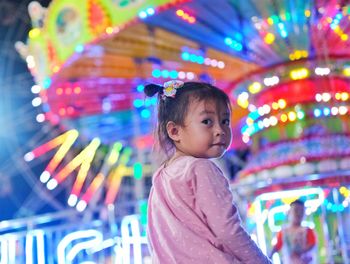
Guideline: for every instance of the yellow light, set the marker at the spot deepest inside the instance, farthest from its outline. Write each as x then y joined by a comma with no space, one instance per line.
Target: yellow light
344,37
282,103
109,30
250,121
292,116
243,103
284,118
291,56
329,20
270,21
344,96
342,190
180,12
274,106
338,96
269,38
346,71
298,74
255,87
56,69
297,54
307,13
33,33
304,54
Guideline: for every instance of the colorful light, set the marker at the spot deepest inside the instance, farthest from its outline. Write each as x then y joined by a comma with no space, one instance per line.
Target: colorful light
299,74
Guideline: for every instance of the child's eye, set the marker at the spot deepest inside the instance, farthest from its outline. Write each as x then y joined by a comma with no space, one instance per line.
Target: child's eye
226,122
207,121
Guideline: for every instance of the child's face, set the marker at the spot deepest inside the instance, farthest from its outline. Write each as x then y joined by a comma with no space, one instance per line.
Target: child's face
296,214
207,130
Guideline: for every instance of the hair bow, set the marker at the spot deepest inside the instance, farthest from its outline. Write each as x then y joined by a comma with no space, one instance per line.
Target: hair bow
170,88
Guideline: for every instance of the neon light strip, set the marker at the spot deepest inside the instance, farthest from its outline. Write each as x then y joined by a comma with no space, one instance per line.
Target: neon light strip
69,139
86,159
65,243
4,251
87,153
117,176
94,186
54,143
111,160
116,179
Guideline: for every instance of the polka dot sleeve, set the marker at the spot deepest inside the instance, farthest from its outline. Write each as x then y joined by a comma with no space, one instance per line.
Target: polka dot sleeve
215,202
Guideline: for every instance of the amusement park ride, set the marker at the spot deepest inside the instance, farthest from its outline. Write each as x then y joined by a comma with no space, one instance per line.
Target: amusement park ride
284,64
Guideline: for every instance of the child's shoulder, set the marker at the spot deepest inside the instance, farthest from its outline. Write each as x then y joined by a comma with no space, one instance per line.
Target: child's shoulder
188,164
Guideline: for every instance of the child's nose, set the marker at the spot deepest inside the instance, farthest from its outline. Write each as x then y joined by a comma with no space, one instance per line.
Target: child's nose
219,130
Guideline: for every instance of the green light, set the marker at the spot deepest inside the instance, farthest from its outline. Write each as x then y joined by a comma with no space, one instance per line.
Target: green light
143,211
125,157
137,170
300,114
124,3
287,16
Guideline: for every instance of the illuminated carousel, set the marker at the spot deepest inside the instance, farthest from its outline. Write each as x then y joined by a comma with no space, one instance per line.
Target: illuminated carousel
285,65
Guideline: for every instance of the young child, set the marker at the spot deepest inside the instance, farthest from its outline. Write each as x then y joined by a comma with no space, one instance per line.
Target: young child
191,218
295,240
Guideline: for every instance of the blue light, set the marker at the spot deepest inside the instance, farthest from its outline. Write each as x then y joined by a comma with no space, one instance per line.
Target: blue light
228,41
339,16
193,58
317,112
138,103
173,74
284,34
244,129
254,115
46,108
145,113
200,59
154,100
237,46
148,102
326,111
79,48
46,83
238,36
334,208
156,73
165,73
283,31
140,88
185,56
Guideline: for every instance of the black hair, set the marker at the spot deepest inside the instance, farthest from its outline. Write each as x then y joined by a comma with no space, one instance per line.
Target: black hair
175,108
298,202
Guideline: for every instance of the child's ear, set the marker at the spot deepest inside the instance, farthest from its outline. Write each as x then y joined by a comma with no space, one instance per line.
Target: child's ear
173,131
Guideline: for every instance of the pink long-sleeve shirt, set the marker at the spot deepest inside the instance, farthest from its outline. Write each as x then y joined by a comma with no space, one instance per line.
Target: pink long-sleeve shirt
191,217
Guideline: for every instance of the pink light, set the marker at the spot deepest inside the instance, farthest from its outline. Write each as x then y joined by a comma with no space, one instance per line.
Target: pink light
114,186
94,186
